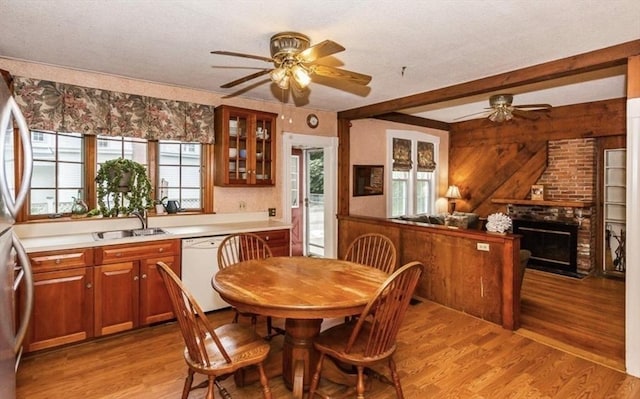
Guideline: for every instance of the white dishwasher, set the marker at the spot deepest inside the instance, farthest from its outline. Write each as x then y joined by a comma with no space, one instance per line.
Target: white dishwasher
199,264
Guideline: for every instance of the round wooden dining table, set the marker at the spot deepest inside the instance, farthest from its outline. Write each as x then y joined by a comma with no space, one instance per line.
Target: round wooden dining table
304,291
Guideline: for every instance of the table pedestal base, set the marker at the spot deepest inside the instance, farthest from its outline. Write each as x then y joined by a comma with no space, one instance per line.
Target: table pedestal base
299,357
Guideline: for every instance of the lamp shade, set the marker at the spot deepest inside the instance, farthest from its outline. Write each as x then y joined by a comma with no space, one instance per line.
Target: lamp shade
453,192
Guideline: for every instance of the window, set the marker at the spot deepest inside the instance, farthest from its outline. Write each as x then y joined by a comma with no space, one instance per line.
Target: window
121,147
179,170
413,172
58,172
61,172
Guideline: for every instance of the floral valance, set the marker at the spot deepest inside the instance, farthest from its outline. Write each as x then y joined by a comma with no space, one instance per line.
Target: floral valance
401,154
59,107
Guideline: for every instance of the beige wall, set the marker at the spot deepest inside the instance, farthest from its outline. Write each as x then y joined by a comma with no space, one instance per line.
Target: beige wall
369,147
226,199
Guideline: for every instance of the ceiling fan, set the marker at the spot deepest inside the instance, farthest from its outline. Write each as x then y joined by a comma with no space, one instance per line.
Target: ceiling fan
294,62
501,109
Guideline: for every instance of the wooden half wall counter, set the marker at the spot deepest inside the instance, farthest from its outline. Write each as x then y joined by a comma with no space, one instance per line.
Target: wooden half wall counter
473,271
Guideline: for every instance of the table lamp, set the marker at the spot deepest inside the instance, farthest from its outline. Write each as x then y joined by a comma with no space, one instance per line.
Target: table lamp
453,193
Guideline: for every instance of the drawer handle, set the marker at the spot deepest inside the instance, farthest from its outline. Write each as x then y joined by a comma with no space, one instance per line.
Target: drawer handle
119,254
144,275
266,238
135,278
160,249
89,285
58,261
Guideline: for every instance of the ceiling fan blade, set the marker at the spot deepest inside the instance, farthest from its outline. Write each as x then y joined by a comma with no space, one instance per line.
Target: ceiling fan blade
540,106
320,50
233,54
525,114
475,113
337,73
246,78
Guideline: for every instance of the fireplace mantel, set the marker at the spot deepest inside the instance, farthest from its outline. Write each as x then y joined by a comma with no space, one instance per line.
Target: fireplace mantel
572,204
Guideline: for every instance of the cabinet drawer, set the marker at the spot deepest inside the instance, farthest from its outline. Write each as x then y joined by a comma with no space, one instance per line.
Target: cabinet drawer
128,252
277,239
59,260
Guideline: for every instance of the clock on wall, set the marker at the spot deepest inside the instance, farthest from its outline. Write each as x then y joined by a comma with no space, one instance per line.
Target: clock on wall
312,121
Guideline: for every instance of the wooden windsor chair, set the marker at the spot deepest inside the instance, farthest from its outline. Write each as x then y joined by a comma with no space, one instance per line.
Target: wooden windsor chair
240,247
371,338
204,352
373,249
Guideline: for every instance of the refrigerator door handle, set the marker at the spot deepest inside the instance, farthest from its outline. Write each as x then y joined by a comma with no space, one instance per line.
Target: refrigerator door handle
25,139
25,315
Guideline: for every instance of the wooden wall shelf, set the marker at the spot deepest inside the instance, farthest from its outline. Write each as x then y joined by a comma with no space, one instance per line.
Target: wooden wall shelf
573,204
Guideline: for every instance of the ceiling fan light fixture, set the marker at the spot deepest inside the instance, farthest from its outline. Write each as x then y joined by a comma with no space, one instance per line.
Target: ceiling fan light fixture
278,74
301,75
284,82
500,115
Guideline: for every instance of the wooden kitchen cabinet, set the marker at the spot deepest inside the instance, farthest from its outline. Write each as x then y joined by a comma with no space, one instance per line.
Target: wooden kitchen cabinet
63,298
245,150
129,289
278,241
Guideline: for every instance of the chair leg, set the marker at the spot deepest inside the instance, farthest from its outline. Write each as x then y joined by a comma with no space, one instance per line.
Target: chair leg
269,327
187,384
211,387
316,377
266,391
396,378
360,384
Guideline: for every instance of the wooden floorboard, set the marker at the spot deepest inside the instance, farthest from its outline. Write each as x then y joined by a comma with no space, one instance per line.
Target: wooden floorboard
441,353
583,316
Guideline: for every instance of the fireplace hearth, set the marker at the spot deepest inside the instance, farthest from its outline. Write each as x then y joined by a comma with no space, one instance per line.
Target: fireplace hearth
553,244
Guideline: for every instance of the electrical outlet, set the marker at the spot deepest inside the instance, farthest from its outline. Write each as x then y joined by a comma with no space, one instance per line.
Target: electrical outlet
242,205
272,211
482,246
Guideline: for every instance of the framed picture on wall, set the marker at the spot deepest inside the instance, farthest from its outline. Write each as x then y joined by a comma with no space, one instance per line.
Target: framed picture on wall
368,180
537,192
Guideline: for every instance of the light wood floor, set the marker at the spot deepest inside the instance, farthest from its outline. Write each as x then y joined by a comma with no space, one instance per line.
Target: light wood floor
441,353
583,316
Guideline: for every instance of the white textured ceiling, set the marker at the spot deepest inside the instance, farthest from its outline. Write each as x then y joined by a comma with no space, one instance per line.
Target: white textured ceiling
438,43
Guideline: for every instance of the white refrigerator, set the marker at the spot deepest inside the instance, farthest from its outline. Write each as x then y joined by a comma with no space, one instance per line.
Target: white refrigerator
15,270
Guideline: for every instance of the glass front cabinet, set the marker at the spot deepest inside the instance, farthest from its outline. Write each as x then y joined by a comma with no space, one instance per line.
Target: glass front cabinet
245,149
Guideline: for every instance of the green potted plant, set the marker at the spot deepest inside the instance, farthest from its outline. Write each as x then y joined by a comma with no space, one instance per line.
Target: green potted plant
122,187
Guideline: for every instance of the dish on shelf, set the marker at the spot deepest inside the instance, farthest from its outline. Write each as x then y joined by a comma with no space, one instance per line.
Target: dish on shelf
259,156
233,152
243,153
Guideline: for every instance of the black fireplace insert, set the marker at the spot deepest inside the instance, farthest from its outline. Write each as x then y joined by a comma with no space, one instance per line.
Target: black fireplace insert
553,244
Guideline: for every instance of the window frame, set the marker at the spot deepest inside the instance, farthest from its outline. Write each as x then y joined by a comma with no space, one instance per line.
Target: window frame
89,187
412,181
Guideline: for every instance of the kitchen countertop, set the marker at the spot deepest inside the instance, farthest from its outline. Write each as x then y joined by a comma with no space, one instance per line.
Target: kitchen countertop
84,240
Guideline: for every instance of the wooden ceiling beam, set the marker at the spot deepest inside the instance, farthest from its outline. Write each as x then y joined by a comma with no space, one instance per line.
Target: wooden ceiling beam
414,120
586,62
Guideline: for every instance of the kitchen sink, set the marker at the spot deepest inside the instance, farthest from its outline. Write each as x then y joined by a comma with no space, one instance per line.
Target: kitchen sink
110,235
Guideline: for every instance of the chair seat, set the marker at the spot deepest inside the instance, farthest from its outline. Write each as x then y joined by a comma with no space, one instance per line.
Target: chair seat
332,341
242,344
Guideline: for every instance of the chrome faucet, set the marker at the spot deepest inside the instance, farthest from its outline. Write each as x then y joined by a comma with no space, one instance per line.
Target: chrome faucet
144,218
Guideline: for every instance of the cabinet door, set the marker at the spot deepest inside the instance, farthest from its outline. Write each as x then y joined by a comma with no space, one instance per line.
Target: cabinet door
245,147
155,304
62,308
116,300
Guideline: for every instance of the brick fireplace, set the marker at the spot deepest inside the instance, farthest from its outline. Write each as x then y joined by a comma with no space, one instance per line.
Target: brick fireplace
569,180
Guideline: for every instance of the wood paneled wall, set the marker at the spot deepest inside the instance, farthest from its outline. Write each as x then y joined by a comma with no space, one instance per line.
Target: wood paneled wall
489,160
